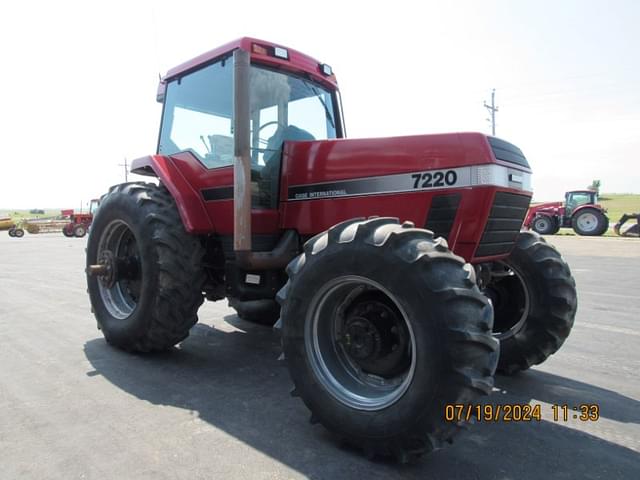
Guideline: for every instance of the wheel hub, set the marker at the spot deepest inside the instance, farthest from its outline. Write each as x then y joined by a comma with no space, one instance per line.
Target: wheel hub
587,222
106,269
360,343
362,339
117,269
375,337
111,269
541,223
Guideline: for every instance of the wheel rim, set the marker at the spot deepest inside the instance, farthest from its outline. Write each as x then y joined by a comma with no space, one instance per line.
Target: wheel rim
120,287
360,343
510,299
587,222
542,224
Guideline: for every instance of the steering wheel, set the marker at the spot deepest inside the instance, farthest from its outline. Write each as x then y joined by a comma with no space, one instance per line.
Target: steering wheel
268,124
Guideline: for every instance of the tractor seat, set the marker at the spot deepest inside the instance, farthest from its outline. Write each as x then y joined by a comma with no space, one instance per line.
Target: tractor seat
270,174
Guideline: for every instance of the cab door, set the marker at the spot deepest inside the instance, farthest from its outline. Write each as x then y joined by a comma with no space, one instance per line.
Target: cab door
197,135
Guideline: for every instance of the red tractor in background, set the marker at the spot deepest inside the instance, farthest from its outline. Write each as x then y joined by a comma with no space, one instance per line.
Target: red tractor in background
79,223
579,211
261,199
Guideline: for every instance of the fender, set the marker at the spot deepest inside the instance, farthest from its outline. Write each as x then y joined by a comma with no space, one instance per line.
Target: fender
596,206
190,205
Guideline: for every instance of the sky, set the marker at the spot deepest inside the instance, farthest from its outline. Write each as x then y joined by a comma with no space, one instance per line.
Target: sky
78,81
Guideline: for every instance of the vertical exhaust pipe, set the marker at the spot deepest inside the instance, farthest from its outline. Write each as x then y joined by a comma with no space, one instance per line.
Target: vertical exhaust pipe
287,247
242,154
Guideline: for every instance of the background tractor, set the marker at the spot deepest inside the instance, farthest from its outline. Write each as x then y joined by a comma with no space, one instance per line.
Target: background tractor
79,223
579,211
261,199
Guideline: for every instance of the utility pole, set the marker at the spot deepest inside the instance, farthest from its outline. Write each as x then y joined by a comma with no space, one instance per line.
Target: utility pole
126,170
493,109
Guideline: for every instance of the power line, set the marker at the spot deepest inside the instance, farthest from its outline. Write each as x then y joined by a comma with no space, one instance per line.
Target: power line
493,109
126,169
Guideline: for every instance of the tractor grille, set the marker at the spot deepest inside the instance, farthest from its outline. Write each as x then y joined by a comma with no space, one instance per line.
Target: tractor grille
442,214
503,226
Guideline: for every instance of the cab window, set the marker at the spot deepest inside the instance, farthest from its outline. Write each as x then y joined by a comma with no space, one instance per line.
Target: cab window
197,115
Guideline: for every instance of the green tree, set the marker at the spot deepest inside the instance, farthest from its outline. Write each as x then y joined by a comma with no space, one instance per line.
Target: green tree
595,185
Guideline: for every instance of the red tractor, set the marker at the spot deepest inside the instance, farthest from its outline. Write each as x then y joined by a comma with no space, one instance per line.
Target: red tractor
79,223
263,200
579,211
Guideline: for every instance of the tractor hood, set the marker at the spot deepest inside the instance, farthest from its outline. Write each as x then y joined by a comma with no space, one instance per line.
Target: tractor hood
348,167
550,207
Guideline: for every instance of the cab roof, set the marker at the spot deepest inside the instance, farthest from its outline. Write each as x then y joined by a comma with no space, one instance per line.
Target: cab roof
296,61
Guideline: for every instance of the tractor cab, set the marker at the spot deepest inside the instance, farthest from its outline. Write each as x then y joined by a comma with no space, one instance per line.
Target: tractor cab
578,198
279,102
93,206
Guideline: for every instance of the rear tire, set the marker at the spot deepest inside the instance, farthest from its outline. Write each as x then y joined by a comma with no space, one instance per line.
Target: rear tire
18,233
153,301
347,292
535,307
544,225
12,232
590,222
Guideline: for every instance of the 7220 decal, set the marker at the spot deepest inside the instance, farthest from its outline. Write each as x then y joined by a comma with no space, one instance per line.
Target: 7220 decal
439,178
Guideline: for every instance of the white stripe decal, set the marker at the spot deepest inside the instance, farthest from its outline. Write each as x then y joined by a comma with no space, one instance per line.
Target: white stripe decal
441,179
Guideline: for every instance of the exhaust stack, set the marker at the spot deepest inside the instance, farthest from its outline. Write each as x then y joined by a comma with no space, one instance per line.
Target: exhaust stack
287,247
241,152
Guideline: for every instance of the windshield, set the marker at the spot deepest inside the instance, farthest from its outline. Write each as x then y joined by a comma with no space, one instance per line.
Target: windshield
284,107
198,114
198,118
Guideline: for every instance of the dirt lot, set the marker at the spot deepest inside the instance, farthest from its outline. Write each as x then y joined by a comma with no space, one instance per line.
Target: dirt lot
219,407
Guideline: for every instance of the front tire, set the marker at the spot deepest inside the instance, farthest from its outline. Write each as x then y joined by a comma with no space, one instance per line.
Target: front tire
67,230
534,300
18,233
544,225
382,327
148,297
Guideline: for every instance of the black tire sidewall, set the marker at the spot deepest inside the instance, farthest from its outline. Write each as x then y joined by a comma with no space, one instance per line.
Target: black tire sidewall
533,282
399,278
545,328
122,207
